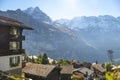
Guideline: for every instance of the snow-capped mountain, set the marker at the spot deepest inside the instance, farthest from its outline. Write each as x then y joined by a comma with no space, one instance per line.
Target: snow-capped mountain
53,39
63,22
36,13
82,38
105,22
102,31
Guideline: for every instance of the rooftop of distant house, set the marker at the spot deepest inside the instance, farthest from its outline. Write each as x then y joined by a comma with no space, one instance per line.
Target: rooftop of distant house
66,69
12,22
38,69
83,70
99,67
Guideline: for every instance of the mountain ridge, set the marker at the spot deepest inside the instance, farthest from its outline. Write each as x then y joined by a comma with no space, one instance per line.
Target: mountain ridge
37,14
53,39
57,40
102,31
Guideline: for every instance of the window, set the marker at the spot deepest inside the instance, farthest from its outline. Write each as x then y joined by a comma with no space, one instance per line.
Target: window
14,31
14,45
14,61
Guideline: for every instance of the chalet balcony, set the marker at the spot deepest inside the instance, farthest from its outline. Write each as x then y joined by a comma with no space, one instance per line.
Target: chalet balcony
17,37
23,51
14,52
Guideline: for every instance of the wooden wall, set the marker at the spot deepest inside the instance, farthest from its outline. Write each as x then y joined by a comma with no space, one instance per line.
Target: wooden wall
4,40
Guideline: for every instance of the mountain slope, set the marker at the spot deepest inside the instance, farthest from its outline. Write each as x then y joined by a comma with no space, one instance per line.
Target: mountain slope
37,14
102,31
55,40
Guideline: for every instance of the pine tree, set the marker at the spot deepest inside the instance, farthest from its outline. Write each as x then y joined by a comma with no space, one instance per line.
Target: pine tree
40,56
26,58
45,59
39,59
110,56
33,60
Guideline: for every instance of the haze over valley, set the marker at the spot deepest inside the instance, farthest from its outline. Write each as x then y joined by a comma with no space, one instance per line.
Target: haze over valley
84,38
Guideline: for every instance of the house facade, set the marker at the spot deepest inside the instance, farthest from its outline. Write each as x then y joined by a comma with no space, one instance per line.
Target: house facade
11,43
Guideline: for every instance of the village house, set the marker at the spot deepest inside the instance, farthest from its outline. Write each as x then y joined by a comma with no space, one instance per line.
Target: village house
11,44
42,72
78,76
99,69
66,72
85,71
76,64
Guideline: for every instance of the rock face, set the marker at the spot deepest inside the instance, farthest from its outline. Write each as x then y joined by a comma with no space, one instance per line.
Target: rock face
102,32
82,38
37,14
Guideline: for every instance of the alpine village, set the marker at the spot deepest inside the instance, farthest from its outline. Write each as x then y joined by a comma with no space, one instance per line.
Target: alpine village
16,64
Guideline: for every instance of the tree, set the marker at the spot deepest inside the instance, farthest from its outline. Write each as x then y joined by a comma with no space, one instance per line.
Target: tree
33,59
110,55
108,66
86,64
64,62
26,58
60,61
38,61
53,62
45,59
40,56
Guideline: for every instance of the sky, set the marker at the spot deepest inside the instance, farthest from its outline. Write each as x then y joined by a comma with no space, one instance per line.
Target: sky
66,9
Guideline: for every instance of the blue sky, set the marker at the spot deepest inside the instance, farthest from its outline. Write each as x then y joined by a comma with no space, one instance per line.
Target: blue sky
58,9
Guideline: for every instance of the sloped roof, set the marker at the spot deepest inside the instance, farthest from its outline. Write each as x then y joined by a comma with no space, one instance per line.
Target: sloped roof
84,70
38,69
12,22
66,69
99,67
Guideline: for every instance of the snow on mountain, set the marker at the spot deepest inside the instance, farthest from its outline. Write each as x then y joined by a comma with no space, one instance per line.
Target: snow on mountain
36,13
104,23
64,22
101,31
54,39
82,38
29,10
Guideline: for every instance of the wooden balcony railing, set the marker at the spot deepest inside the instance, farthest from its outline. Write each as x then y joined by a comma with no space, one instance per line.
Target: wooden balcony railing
13,51
16,37
22,51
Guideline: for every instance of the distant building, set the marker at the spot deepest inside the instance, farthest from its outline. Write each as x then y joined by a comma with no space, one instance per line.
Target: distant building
98,69
42,72
66,72
50,60
11,43
84,70
76,64
33,56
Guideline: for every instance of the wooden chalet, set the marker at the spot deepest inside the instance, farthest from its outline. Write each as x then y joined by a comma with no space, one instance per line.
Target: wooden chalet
98,69
83,70
66,72
41,72
11,43
76,64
